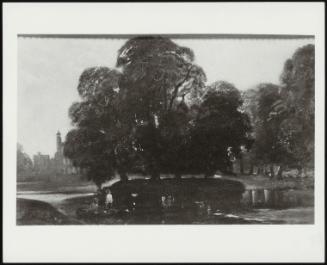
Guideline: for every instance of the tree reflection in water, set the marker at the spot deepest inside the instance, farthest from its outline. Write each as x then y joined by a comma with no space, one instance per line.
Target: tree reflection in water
197,201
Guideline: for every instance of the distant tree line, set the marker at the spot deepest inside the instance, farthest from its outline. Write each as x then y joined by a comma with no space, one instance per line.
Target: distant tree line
24,162
155,114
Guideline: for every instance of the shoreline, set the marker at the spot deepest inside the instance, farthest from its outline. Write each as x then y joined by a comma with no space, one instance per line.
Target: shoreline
68,199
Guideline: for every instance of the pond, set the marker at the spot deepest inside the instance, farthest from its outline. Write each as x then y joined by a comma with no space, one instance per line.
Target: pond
277,198
256,206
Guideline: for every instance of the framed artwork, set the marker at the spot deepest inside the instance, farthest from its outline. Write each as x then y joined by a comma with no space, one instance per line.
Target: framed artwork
163,132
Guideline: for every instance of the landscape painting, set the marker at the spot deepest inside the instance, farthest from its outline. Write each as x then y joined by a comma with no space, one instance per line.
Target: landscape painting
165,129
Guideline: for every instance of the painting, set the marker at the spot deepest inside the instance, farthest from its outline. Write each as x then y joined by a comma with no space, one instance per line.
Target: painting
163,132
165,129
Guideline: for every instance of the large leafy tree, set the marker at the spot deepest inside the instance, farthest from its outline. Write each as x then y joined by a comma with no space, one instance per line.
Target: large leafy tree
159,77
250,107
90,150
295,108
220,127
100,143
283,116
269,147
298,92
175,134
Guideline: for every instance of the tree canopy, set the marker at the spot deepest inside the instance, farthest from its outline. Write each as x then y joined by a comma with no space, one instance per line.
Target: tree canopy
100,140
220,126
159,81
156,112
298,93
283,115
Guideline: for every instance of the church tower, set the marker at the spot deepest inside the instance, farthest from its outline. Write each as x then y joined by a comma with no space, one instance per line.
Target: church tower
59,143
62,165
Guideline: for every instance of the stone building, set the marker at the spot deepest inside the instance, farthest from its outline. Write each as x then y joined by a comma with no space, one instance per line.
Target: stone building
58,165
61,164
41,163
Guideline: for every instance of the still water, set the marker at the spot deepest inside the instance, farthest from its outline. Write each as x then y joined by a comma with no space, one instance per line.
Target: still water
256,206
276,198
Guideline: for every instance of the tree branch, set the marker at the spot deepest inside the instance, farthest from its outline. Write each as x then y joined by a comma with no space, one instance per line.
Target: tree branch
175,92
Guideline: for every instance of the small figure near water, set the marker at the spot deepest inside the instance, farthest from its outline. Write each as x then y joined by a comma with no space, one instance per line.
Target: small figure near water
94,205
109,199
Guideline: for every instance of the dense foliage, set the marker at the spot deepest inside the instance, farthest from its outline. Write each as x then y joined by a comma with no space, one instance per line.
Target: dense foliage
283,115
100,143
298,86
155,114
24,162
220,126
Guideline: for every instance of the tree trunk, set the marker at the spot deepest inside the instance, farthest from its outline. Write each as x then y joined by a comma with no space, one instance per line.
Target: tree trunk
123,176
280,172
251,169
207,175
155,176
154,173
230,168
99,186
241,164
272,173
265,170
304,172
178,176
299,174
259,170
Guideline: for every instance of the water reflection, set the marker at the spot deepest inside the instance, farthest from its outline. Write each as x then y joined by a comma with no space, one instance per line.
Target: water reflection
275,198
251,206
176,211
255,198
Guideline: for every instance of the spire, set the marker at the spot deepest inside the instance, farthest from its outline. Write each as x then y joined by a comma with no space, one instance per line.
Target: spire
59,143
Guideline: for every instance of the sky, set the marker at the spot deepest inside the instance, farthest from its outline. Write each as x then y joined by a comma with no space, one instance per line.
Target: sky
49,68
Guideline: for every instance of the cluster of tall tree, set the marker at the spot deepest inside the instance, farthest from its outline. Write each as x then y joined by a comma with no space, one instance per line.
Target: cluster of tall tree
283,116
155,112
24,162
